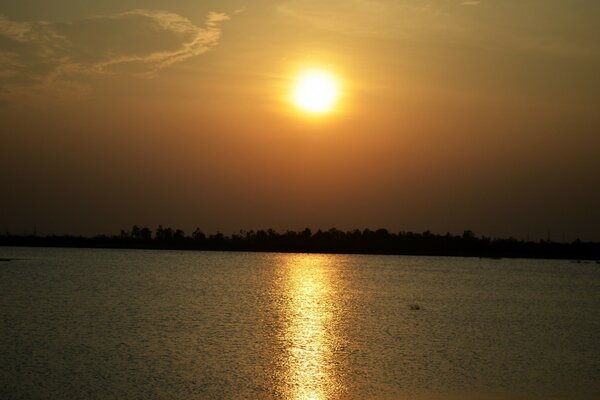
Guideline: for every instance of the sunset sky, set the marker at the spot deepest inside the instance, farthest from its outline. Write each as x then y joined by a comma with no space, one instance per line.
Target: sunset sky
448,115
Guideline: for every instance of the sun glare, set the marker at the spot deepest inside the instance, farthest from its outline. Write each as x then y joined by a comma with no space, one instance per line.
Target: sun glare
316,91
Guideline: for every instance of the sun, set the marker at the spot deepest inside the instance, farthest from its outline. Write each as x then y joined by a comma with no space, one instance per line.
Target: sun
316,91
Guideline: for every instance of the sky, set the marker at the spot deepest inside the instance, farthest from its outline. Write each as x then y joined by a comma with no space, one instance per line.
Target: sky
451,115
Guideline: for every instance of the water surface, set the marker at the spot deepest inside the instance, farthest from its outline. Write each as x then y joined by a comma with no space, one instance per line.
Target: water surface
127,324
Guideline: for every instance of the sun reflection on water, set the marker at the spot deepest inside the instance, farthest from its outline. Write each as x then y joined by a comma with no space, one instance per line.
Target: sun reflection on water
309,331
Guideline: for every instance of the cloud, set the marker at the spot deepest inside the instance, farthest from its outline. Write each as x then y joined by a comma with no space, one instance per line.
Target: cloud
475,23
381,18
50,55
385,19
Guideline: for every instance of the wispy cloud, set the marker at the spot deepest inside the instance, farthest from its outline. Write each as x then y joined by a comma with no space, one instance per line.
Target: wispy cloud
49,55
376,18
381,18
475,23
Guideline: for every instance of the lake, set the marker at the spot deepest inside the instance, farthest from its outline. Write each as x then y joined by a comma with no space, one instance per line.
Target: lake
139,324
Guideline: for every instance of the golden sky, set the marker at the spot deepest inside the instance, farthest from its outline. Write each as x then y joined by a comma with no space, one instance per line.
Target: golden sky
451,115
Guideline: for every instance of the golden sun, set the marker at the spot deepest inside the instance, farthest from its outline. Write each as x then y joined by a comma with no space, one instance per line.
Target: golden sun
316,91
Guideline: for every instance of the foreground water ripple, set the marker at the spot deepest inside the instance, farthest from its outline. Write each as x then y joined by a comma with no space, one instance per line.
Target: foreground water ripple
114,324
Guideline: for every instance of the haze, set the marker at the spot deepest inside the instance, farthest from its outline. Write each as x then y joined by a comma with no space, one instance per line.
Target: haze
454,115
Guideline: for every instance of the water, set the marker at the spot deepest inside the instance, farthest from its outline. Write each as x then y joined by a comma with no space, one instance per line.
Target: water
126,324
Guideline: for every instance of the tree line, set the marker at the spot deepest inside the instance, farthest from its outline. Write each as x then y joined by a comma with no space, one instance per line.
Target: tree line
365,241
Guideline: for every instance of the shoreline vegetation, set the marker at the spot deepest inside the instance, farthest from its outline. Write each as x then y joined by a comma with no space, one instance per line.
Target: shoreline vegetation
366,241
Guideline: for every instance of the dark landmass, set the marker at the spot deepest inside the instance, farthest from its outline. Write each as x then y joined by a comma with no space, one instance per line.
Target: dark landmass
331,241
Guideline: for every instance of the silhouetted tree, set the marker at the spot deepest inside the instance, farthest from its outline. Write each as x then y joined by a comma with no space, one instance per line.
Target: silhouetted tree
380,241
198,234
179,235
146,234
164,234
135,232
468,235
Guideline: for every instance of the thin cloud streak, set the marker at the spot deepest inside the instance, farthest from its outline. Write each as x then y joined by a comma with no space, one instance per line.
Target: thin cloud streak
41,56
443,21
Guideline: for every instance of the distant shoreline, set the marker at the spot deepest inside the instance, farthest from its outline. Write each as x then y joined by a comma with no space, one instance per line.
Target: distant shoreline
572,260
333,241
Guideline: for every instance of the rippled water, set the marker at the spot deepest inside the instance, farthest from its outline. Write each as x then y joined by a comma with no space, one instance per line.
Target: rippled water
113,324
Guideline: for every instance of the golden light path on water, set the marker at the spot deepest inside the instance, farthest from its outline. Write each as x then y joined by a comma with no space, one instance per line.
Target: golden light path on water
310,328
